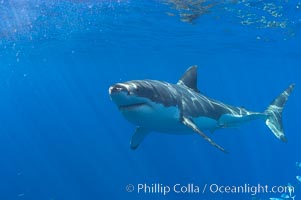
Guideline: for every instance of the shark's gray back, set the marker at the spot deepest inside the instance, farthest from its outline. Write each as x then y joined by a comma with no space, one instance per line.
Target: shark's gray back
191,102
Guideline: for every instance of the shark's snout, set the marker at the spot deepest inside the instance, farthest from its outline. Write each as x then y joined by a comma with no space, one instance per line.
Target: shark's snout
117,88
125,96
128,88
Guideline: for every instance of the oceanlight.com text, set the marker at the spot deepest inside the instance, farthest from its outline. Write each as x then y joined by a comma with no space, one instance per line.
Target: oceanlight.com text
192,188
249,189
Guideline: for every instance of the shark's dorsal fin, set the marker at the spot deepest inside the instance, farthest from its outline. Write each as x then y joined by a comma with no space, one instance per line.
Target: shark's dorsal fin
189,78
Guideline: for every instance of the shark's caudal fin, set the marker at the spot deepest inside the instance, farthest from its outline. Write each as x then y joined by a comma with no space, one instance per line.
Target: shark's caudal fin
274,113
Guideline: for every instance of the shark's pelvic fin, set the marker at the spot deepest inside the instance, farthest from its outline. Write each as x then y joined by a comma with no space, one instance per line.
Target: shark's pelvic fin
187,122
189,78
138,137
274,113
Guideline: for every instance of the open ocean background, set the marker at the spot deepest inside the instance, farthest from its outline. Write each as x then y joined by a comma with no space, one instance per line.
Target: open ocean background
61,137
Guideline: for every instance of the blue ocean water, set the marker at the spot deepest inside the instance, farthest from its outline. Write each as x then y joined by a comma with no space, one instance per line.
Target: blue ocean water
61,137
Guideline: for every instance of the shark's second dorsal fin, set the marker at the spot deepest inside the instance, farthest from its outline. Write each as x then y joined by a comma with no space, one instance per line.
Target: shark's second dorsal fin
189,78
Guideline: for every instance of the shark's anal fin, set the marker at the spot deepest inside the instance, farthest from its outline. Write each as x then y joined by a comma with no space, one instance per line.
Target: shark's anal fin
138,136
187,122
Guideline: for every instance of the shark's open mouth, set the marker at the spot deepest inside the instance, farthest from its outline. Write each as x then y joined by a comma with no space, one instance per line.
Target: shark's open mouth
131,106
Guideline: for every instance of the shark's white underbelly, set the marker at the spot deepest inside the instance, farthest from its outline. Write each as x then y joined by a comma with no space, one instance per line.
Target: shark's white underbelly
165,119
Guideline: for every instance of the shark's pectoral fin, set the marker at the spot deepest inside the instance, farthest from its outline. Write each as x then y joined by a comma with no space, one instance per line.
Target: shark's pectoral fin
138,137
187,122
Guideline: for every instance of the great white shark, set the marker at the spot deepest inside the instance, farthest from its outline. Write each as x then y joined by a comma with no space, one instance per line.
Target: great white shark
181,108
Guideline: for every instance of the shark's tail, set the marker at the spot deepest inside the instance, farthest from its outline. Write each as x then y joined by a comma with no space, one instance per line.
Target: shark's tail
274,113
